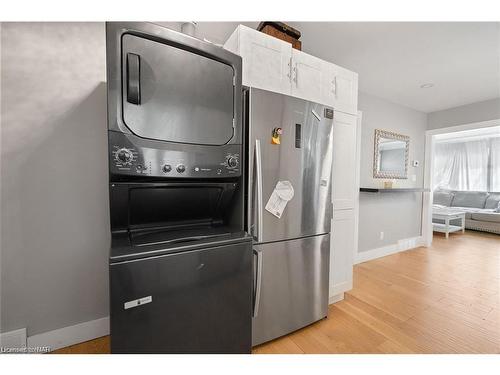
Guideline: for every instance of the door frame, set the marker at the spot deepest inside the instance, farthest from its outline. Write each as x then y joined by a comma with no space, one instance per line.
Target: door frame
430,139
359,123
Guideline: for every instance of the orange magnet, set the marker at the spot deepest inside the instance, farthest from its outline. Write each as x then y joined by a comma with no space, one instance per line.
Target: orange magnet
276,136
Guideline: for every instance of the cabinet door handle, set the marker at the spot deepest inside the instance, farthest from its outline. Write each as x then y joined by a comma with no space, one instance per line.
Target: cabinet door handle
133,78
334,86
296,72
289,74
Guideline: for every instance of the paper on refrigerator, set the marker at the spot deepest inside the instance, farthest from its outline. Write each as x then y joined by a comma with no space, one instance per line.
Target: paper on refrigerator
281,195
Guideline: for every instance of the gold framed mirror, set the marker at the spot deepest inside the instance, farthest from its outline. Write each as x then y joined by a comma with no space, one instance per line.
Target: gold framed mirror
390,158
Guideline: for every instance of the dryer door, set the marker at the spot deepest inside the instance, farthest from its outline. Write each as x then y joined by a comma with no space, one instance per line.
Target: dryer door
174,94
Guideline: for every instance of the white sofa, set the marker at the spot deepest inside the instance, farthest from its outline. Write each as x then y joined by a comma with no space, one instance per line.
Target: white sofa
482,209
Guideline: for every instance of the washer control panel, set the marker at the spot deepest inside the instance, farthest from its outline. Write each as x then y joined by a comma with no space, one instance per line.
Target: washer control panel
130,155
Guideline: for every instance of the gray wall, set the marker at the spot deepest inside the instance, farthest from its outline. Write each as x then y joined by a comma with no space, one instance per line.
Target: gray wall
54,197
466,114
398,215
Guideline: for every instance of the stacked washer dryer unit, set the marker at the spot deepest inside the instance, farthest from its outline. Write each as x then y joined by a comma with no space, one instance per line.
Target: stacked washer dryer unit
180,261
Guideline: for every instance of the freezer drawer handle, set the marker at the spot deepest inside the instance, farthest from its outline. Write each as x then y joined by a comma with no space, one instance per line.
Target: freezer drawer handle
258,282
133,78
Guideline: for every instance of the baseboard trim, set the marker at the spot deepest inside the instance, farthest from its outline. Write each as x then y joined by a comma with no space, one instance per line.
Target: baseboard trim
336,298
13,339
71,335
341,288
402,245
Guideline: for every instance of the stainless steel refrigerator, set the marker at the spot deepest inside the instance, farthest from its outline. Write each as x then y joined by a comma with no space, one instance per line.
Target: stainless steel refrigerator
289,210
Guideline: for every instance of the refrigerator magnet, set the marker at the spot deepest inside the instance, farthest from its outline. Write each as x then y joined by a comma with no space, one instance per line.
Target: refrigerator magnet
276,136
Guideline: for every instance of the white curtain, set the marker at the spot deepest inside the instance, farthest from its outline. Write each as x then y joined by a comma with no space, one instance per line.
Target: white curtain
495,165
463,165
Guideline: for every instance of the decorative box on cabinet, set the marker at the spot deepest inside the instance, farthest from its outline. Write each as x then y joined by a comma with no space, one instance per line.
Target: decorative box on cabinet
275,32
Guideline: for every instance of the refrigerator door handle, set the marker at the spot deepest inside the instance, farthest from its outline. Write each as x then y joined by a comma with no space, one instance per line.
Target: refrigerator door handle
258,163
258,282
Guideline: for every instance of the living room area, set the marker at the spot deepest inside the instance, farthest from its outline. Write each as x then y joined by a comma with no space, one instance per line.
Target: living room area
466,181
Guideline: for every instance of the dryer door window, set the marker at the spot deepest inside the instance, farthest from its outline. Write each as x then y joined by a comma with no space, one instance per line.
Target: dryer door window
171,94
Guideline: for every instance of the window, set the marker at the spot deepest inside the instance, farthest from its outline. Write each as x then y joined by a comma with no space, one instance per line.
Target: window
468,164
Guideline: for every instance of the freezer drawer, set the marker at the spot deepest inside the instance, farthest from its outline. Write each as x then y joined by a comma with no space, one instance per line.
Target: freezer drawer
293,290
192,302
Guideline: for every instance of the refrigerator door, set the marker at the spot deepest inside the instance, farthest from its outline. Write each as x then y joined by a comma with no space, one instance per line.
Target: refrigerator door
292,285
303,157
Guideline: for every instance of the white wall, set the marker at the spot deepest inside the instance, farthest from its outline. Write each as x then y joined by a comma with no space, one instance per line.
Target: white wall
465,114
54,196
398,215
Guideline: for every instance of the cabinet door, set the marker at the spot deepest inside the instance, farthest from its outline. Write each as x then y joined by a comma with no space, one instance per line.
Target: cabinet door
342,248
344,87
308,77
344,161
266,61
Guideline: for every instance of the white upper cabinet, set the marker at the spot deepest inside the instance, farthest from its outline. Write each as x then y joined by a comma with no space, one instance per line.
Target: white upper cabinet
345,89
271,64
307,76
266,60
340,88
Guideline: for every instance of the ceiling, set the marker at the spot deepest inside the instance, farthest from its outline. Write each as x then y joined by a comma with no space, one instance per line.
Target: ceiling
461,59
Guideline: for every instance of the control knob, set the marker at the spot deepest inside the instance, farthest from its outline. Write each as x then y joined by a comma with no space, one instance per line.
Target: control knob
181,168
166,168
124,156
232,162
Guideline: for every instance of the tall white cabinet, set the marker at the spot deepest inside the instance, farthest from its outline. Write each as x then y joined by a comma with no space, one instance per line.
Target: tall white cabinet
272,64
345,198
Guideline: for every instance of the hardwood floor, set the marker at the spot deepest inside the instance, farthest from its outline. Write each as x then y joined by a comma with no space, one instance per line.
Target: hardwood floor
442,299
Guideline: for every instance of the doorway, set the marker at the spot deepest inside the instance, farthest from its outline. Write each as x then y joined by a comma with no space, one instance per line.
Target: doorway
450,135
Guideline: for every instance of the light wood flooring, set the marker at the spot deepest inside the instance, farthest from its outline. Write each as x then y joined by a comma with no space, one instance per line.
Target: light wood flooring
442,299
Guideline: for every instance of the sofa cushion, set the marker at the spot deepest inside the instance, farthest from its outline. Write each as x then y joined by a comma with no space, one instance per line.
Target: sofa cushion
491,217
492,201
475,199
443,197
